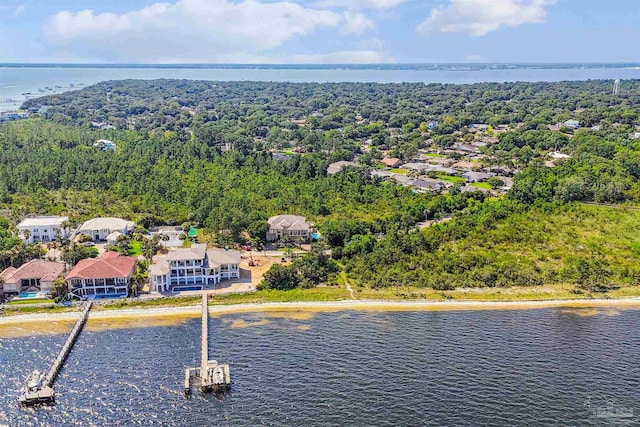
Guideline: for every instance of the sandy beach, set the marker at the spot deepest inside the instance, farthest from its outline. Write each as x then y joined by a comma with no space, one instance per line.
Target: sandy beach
330,306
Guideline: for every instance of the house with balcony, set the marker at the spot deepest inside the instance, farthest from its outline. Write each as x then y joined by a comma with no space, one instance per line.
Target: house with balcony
108,276
100,228
288,227
194,268
43,229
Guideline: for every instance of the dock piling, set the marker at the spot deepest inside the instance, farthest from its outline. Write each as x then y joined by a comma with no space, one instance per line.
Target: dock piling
211,375
39,388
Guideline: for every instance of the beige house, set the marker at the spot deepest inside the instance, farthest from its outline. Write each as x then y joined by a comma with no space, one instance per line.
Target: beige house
34,276
288,227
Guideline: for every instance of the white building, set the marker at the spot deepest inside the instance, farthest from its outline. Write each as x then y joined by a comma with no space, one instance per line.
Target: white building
173,233
573,124
43,228
194,268
105,145
100,228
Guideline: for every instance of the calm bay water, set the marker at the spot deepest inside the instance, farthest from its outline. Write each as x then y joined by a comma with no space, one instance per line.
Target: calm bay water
530,368
18,80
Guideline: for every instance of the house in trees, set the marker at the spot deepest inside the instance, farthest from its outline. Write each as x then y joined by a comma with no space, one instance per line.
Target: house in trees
100,228
288,227
43,229
391,162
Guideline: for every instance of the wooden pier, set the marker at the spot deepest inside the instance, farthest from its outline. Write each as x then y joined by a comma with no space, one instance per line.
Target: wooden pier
39,387
210,376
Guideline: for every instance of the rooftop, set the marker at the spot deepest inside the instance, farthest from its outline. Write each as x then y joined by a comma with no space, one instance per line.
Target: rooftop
36,269
289,222
195,252
108,265
106,224
41,221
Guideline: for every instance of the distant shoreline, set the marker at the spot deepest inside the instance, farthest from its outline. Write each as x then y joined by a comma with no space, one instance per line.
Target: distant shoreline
329,306
462,66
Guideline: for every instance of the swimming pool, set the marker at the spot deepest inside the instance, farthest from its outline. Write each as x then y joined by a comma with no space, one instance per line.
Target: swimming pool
28,295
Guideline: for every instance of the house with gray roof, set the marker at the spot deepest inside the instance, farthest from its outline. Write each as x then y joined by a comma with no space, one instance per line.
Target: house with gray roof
288,227
193,268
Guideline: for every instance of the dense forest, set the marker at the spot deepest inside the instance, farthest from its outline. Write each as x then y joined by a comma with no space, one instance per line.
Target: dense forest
206,153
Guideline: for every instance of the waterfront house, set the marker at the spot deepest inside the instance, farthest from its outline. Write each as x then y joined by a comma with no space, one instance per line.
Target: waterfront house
43,228
34,276
391,162
288,227
100,228
193,268
108,276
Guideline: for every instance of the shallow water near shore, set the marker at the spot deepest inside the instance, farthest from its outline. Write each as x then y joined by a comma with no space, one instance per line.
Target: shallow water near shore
552,366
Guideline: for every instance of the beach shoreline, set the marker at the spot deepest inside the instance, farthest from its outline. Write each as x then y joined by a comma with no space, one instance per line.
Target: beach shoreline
193,311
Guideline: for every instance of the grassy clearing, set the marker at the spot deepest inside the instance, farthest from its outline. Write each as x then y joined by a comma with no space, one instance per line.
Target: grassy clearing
449,178
135,248
31,301
399,171
533,293
484,185
265,296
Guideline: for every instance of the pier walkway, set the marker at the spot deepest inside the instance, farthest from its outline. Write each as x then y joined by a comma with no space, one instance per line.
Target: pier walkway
210,376
39,387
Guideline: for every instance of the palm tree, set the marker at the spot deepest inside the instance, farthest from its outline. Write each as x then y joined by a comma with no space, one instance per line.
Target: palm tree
165,239
26,234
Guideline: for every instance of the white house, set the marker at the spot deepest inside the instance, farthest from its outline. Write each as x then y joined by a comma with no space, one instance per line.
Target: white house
193,268
288,227
100,228
105,145
173,233
43,228
573,124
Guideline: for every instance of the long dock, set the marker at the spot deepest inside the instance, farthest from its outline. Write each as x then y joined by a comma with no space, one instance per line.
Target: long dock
210,376
39,387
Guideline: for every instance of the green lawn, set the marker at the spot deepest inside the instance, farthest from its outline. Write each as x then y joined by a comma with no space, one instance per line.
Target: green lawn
449,178
31,301
439,156
484,185
399,171
135,248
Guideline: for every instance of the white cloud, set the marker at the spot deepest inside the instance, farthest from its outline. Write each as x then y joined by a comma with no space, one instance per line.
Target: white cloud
357,23
358,4
193,30
473,58
480,17
13,12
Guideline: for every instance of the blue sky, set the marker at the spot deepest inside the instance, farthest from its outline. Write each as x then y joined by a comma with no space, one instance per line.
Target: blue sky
318,31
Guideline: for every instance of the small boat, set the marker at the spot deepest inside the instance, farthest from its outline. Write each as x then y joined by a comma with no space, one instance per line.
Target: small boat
35,380
218,376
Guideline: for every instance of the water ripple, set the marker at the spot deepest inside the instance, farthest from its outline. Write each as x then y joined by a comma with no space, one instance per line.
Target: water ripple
529,368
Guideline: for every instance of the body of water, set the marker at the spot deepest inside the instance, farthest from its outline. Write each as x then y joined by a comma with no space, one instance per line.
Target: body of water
549,367
16,81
